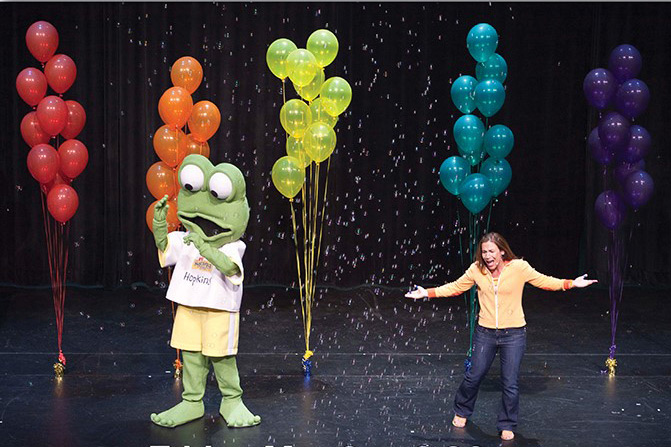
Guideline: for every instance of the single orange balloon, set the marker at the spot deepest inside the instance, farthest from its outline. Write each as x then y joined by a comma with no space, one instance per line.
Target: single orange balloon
204,121
169,145
173,220
175,106
186,72
194,146
161,180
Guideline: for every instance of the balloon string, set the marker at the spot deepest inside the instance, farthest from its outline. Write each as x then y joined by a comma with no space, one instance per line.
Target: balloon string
308,205
315,218
461,248
177,154
321,226
172,304
300,280
53,243
489,214
65,252
284,96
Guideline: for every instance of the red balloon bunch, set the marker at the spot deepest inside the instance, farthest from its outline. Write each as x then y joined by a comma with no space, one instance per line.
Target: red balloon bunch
53,166
171,143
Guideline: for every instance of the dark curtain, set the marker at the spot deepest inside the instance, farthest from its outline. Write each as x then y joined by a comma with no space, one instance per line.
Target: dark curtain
389,220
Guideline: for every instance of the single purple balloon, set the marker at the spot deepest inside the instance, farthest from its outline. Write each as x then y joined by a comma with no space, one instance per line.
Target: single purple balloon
632,98
599,153
600,87
610,209
637,189
622,170
614,131
637,147
625,62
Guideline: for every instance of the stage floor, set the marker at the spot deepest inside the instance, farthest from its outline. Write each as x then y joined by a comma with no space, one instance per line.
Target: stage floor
385,372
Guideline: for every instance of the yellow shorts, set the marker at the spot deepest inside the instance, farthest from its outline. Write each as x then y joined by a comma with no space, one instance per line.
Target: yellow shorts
212,332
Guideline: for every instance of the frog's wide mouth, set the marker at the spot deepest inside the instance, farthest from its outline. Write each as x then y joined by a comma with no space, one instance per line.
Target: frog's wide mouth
208,227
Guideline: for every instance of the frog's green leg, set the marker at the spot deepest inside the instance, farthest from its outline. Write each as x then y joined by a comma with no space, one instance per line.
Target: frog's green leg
194,378
233,410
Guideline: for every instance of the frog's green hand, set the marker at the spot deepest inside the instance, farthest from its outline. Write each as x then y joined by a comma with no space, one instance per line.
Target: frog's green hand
218,259
160,224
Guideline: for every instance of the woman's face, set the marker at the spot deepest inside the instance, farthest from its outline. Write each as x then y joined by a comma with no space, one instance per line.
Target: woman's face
492,255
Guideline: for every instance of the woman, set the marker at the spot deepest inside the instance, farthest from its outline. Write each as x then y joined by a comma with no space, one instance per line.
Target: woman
500,277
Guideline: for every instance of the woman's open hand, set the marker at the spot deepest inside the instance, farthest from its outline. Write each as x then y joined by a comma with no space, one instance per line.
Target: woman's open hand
419,292
582,281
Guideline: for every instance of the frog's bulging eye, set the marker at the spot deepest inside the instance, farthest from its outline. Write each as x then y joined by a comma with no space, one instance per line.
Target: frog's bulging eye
221,186
192,178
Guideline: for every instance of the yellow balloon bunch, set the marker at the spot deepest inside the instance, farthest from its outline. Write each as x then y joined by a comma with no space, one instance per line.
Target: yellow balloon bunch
309,122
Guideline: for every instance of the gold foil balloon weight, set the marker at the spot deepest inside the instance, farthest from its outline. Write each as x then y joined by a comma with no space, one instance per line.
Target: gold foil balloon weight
611,364
59,367
59,370
178,369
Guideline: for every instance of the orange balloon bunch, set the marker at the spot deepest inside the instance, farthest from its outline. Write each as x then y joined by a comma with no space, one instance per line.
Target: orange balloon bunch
172,142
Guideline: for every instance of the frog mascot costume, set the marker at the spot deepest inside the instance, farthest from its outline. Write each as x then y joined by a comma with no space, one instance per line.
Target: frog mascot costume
207,285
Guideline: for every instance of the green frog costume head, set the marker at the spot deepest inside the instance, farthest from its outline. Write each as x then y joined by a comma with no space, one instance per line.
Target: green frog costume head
212,200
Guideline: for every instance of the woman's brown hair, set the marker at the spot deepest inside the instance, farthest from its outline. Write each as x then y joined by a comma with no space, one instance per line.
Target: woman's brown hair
500,242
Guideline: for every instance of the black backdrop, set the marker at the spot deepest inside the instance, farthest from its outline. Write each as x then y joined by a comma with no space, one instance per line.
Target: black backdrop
389,221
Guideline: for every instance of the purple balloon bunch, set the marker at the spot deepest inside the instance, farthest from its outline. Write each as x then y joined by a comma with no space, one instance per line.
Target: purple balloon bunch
616,142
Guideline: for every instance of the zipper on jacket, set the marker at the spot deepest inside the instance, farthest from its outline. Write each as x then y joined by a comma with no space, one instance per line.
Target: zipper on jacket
496,293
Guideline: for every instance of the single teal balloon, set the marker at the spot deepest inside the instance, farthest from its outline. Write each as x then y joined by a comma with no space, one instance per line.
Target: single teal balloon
482,41
475,192
469,133
462,93
489,97
452,172
499,141
476,157
499,174
494,67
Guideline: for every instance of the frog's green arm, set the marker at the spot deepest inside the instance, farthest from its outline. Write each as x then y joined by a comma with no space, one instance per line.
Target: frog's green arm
160,224
219,260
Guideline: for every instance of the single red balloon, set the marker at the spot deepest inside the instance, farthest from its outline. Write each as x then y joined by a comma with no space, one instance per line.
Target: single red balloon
58,180
42,40
43,163
76,119
61,72
74,156
52,114
31,131
31,85
62,202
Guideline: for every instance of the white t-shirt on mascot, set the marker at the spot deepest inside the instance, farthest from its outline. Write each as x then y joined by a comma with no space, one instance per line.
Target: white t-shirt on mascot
196,282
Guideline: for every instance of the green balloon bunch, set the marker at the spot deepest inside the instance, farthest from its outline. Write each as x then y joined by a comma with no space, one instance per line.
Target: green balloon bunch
474,138
309,121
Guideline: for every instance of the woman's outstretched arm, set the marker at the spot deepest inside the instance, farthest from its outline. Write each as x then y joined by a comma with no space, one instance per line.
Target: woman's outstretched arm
464,283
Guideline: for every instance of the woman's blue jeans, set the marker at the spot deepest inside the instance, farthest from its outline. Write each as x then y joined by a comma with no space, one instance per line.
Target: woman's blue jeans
510,343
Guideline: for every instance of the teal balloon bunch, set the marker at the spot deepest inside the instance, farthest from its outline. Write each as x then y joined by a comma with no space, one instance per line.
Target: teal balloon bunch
471,176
